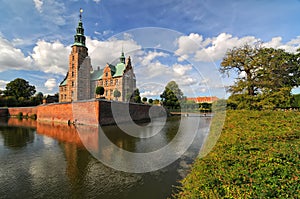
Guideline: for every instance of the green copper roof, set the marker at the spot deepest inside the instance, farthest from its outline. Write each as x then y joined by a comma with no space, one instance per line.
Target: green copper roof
97,74
79,38
120,67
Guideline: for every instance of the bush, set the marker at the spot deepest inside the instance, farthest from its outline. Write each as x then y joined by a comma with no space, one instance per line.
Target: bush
19,115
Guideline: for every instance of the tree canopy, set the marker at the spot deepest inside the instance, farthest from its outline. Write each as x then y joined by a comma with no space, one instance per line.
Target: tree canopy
19,88
99,90
117,93
266,76
172,95
135,96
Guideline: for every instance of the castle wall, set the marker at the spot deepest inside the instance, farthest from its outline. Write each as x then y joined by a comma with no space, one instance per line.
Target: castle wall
87,112
24,110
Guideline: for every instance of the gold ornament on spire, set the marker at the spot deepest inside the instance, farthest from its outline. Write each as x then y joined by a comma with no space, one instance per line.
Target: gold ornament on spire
80,11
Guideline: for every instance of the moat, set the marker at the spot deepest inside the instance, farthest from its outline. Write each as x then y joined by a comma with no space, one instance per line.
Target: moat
50,161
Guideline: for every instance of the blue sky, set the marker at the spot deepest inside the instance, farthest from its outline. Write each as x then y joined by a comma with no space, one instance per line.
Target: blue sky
167,39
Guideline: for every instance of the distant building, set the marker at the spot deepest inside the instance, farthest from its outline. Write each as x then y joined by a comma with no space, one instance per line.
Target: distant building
81,80
203,99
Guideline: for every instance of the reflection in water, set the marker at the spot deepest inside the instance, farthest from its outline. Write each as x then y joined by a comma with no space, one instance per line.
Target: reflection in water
50,161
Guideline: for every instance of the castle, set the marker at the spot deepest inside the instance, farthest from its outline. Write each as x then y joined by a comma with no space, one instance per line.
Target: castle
81,80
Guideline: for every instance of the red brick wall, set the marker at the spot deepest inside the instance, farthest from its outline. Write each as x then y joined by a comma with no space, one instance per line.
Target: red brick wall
84,112
24,110
61,113
90,112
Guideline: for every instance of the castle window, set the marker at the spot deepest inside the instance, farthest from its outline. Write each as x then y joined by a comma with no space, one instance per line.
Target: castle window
106,93
111,82
72,84
106,74
65,96
72,65
117,82
106,83
111,92
72,73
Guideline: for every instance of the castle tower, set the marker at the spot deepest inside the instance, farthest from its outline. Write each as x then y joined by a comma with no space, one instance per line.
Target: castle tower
76,85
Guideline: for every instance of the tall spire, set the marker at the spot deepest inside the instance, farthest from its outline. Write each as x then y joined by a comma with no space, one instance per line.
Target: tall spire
79,38
122,58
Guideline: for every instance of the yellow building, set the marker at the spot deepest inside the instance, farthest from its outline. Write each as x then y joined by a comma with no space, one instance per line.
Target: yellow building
81,80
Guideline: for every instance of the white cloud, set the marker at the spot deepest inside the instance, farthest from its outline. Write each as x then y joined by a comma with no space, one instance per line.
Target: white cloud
196,48
38,5
13,58
97,1
181,69
152,55
277,43
210,49
50,84
51,57
3,84
102,52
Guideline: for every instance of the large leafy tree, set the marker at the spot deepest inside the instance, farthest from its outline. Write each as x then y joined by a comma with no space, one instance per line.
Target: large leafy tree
265,76
20,89
172,95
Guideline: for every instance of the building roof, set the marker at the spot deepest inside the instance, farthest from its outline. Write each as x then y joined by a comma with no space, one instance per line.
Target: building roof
120,67
203,99
96,74
64,82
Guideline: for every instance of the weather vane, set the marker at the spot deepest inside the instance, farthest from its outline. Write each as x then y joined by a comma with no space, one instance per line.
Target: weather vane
80,15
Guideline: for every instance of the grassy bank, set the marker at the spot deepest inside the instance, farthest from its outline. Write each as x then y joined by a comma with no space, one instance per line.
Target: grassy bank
256,156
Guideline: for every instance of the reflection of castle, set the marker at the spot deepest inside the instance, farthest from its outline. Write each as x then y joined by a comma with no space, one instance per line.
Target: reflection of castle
81,80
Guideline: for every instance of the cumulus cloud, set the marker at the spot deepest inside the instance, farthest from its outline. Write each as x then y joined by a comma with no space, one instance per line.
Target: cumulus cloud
277,43
102,52
3,84
13,58
196,48
51,57
211,49
38,5
50,84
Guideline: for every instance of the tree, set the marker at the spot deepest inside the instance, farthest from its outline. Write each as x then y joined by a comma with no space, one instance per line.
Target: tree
117,94
265,75
150,101
99,90
172,95
144,99
19,88
135,97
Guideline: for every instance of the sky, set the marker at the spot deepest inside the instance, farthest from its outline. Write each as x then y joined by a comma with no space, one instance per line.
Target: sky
183,41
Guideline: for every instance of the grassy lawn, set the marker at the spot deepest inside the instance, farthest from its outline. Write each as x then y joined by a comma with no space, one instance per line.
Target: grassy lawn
256,156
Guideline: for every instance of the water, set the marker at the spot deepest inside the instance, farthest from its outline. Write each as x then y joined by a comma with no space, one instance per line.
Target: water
50,161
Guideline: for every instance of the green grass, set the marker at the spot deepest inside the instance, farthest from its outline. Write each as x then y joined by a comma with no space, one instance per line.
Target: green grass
256,156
